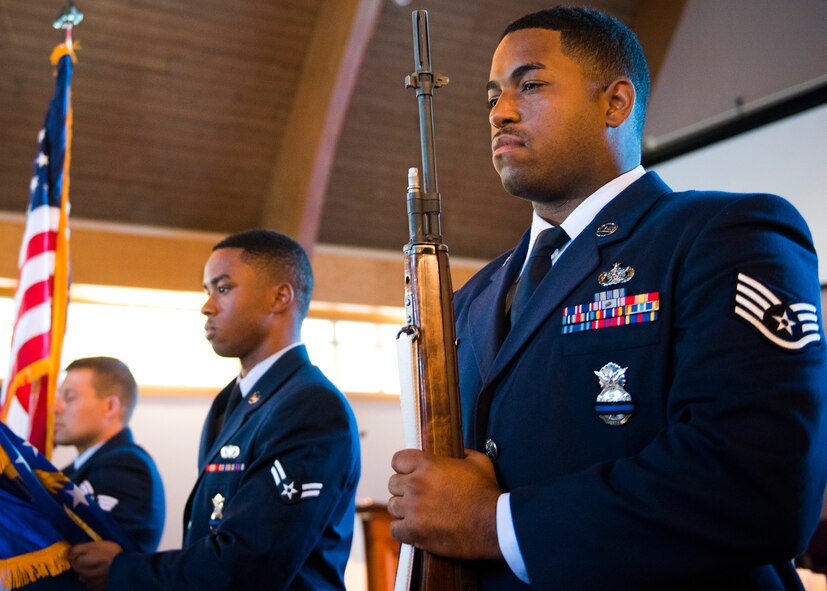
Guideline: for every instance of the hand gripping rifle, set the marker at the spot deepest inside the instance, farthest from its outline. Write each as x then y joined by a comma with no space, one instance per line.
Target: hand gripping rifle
427,345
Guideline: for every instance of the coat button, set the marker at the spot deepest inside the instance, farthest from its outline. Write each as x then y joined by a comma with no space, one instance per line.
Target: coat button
491,449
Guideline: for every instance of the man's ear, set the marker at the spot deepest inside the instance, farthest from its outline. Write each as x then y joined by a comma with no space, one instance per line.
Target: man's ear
283,296
620,101
114,406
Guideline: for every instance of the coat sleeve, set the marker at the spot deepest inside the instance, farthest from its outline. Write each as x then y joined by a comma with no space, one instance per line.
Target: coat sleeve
127,484
735,478
266,536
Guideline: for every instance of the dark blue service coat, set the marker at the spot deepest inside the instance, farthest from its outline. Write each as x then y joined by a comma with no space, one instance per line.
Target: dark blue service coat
273,506
714,479
124,480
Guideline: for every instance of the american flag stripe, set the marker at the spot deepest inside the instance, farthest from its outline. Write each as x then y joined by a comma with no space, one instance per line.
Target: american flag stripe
41,243
33,315
31,351
43,275
33,322
41,220
37,270
34,295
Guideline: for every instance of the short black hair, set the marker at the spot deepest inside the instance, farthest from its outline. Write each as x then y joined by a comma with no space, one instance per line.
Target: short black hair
602,44
112,378
277,255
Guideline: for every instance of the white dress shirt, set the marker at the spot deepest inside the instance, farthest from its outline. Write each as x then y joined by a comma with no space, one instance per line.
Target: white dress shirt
82,458
246,382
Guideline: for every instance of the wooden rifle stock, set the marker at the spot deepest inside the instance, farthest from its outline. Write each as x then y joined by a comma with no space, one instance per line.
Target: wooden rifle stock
431,406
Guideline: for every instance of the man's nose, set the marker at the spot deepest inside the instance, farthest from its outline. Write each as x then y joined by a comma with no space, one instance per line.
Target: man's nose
504,111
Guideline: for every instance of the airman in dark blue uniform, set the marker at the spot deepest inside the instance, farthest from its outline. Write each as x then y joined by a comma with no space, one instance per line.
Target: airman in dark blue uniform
654,416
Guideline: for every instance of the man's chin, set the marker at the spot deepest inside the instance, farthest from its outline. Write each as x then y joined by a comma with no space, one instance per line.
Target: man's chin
222,351
518,188
512,181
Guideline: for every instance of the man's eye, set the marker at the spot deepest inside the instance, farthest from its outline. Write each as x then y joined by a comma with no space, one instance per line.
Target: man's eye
530,85
222,289
492,101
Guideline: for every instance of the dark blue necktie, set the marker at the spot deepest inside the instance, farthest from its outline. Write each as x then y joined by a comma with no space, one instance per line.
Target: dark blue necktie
232,402
539,263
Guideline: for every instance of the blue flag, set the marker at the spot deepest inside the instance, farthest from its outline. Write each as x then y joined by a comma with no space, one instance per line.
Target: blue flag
43,513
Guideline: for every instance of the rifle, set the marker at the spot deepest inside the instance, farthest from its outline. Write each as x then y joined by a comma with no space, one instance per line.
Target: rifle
427,345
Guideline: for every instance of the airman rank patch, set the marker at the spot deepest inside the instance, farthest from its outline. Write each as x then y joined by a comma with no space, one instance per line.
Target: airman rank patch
225,468
611,308
290,490
791,326
105,502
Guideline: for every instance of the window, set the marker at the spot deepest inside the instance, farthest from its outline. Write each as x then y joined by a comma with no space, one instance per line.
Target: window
357,355
160,335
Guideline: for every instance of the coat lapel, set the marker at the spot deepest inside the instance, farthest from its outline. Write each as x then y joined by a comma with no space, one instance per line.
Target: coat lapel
578,261
212,425
577,264
264,389
487,311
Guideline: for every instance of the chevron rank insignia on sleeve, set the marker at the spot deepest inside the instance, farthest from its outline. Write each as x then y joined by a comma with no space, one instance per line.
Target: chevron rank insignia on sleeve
106,502
290,490
791,326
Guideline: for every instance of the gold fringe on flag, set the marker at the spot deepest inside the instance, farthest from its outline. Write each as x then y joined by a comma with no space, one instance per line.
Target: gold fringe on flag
27,568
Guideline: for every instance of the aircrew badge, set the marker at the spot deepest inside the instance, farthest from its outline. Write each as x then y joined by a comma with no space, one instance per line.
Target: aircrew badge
230,452
615,275
290,490
614,404
789,326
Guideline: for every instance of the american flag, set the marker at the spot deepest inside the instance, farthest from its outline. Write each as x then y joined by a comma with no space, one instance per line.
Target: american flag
43,275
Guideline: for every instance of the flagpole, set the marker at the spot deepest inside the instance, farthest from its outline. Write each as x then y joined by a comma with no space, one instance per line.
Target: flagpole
69,17
41,296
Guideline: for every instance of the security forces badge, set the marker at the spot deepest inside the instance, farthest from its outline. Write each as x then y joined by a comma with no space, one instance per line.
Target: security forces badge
614,404
217,511
790,326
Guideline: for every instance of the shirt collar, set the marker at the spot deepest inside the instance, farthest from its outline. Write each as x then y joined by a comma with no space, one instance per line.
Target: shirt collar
82,458
584,213
247,382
